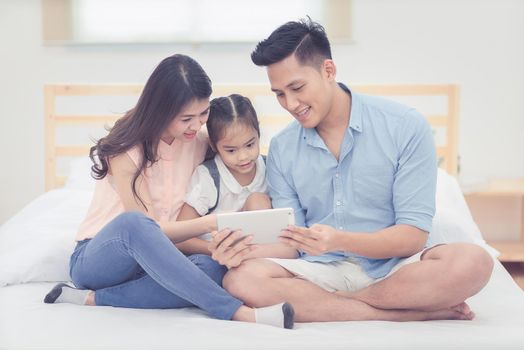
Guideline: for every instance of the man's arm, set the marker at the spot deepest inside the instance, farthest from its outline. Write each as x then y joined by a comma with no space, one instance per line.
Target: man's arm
413,199
395,241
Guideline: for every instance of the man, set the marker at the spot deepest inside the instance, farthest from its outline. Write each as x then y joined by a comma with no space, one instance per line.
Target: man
360,173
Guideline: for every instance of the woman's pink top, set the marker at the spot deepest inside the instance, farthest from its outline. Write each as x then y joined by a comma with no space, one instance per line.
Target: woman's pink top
167,181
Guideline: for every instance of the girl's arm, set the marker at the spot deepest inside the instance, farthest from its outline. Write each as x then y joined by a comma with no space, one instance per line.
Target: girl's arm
122,168
192,245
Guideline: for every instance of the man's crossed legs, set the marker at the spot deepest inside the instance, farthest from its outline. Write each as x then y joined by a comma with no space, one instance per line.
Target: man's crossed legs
435,287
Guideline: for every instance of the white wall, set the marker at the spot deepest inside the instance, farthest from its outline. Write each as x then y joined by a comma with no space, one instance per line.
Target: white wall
476,43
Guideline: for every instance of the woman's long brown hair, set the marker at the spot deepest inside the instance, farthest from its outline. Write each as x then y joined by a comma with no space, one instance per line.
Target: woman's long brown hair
175,82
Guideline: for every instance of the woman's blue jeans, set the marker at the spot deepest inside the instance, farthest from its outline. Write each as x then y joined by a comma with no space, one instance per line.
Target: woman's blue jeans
131,263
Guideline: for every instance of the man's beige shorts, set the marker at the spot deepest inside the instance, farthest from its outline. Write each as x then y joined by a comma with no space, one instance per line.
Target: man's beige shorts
345,275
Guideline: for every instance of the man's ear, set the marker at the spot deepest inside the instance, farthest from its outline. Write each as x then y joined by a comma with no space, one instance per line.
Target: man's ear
329,68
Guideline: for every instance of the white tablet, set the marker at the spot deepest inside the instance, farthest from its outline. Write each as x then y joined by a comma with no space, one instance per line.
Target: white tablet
265,225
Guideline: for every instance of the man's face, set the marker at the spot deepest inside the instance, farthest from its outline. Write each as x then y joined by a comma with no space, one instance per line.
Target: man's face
302,90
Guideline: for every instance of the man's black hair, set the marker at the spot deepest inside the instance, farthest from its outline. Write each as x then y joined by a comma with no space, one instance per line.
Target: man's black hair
305,38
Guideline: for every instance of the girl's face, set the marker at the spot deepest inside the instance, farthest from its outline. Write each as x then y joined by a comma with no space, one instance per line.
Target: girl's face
186,124
239,149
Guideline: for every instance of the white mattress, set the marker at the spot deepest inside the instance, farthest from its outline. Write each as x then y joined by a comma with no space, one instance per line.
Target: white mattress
36,243
27,323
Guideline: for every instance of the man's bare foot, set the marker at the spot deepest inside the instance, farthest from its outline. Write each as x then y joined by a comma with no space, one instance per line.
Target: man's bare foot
458,312
464,309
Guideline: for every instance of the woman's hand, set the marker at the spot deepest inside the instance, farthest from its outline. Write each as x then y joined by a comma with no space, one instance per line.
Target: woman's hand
316,240
229,247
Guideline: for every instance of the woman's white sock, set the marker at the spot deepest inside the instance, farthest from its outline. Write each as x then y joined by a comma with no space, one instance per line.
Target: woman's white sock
63,293
280,315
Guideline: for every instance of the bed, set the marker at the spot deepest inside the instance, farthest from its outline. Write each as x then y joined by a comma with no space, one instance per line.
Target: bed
35,245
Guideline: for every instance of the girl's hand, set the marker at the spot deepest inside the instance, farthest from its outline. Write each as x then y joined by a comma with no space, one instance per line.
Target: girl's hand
230,248
316,240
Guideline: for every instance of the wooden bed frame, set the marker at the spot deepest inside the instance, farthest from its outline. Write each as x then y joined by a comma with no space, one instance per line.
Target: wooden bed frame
447,152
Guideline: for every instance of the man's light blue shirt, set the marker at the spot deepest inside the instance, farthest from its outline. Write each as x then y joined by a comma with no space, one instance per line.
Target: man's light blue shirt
386,175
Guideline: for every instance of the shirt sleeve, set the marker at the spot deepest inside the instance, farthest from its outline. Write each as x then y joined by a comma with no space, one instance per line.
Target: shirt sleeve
202,193
415,181
282,193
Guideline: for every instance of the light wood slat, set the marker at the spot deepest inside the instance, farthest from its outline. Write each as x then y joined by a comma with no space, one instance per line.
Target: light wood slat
441,151
452,129
86,119
71,151
403,90
96,90
508,187
60,180
248,90
49,138
438,120
509,251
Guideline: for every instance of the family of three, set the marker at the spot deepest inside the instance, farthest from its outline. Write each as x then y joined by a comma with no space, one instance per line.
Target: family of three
359,171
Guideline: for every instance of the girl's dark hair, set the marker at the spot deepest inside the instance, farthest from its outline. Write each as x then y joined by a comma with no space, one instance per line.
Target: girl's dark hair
305,38
225,111
175,82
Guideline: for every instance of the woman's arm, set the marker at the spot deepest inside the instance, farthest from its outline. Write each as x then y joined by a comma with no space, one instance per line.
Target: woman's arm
123,169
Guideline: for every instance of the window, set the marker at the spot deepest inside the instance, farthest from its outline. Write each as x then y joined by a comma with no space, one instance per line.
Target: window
184,21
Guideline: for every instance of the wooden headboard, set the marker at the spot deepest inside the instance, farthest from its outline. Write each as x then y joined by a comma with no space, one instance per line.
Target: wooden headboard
272,117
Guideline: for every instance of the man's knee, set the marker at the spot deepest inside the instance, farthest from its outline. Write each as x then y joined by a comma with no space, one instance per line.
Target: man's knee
240,280
257,201
478,265
469,265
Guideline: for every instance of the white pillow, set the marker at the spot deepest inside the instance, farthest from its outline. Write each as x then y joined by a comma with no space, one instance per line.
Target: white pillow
453,221
35,244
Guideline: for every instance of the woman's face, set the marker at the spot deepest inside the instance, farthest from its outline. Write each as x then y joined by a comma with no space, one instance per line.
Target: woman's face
188,122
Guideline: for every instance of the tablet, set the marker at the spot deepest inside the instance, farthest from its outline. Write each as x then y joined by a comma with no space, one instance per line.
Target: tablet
265,225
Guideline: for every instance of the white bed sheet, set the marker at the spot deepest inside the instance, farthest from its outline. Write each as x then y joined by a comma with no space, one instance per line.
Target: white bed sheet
36,243
27,323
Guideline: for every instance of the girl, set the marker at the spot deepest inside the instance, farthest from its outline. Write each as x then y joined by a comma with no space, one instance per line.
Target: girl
125,254
234,180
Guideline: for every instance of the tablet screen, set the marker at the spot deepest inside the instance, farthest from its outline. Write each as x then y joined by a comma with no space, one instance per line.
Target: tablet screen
265,225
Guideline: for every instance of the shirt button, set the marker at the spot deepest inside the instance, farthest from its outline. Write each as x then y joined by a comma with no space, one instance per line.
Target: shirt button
336,175
338,202
340,228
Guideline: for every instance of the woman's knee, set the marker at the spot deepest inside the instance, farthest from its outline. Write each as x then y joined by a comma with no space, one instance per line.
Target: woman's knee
257,201
131,219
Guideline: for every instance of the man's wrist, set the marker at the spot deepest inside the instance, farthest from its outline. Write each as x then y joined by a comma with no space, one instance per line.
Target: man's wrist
341,238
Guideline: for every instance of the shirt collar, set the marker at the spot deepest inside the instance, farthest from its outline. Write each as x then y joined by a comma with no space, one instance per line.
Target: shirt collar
355,121
230,181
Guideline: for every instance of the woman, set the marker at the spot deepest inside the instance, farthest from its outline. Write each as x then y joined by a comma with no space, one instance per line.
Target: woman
125,255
